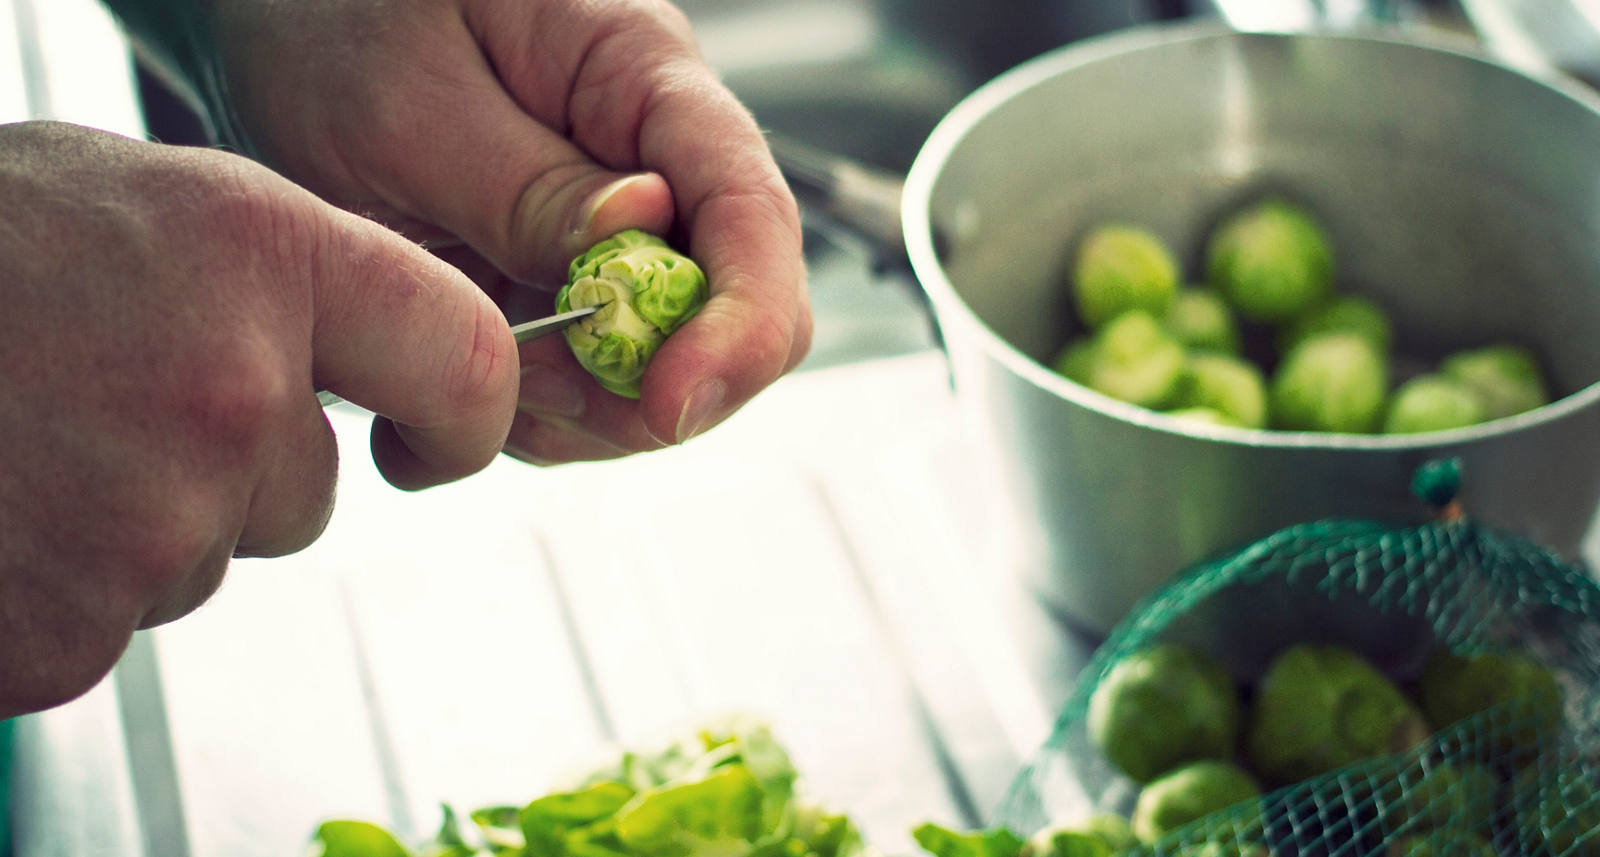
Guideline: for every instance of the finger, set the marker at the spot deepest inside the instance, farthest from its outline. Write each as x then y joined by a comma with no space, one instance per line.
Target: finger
516,191
540,440
555,387
408,337
293,500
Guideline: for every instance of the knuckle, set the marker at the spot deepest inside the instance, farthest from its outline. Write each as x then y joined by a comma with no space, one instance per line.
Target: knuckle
234,403
482,373
170,546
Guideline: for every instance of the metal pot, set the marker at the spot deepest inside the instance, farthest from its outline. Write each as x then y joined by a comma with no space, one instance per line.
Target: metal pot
1460,194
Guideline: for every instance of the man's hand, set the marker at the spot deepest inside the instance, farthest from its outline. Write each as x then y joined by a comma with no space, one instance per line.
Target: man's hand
509,135
167,317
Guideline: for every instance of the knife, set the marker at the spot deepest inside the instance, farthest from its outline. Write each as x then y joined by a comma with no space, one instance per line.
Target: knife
550,324
523,332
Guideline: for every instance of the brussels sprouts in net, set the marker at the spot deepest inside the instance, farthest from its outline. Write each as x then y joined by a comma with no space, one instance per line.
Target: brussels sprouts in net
645,291
1334,382
1188,794
1524,694
1506,377
1271,261
1459,796
1200,320
1161,707
1228,385
1133,359
1432,403
1443,843
1318,708
1121,268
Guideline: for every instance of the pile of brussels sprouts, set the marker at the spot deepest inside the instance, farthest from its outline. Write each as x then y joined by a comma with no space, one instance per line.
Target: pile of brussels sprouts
1157,343
1171,719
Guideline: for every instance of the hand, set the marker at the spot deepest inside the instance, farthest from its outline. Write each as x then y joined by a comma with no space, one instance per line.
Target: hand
168,315
509,135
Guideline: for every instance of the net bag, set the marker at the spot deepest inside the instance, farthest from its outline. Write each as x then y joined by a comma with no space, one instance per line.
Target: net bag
1341,687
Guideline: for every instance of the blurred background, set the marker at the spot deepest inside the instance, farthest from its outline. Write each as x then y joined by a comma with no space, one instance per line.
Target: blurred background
357,678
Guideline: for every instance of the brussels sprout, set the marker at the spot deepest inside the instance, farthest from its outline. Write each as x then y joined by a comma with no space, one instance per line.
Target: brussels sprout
1443,843
1225,384
1318,708
1163,706
1271,261
1459,796
1075,360
1188,794
1099,835
1432,403
645,291
1121,268
1524,692
1205,416
1347,313
1507,378
1136,361
1334,382
1200,320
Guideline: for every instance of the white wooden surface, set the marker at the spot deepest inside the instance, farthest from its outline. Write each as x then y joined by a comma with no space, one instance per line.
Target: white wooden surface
824,559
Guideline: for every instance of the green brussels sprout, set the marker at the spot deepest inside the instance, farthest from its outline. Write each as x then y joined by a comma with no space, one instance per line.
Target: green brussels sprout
1121,268
1074,360
1162,706
1459,796
1559,810
1188,794
1318,708
1524,692
1443,843
645,291
1136,361
1099,835
1225,384
1205,416
1507,378
1271,261
1432,403
1347,313
1334,382
1200,320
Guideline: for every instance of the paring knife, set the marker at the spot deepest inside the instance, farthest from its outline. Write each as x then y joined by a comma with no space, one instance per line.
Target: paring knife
520,332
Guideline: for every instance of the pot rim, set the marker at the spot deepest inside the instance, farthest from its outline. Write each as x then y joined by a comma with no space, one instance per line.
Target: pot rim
951,309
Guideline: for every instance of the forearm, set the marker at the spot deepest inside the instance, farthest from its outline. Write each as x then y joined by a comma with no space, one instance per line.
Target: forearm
176,39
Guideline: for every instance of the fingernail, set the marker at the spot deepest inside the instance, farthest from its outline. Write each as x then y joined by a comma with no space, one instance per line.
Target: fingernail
547,391
597,200
701,408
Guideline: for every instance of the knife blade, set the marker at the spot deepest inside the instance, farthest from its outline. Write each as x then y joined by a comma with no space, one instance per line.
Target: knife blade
550,324
523,332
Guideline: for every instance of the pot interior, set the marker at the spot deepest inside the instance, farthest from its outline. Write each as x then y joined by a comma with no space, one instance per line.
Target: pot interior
1461,196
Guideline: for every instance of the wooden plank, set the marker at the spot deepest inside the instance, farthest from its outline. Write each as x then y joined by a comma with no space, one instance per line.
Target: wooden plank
469,652
71,793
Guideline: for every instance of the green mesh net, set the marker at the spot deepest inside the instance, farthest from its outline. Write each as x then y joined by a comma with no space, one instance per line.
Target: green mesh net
1495,642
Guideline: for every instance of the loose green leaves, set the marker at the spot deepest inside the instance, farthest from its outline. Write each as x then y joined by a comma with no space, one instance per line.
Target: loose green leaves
726,790
645,290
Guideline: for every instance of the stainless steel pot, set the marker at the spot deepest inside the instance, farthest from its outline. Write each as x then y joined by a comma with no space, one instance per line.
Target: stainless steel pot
1462,195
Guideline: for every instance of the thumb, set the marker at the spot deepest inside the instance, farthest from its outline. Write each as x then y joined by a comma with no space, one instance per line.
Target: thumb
405,335
520,194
